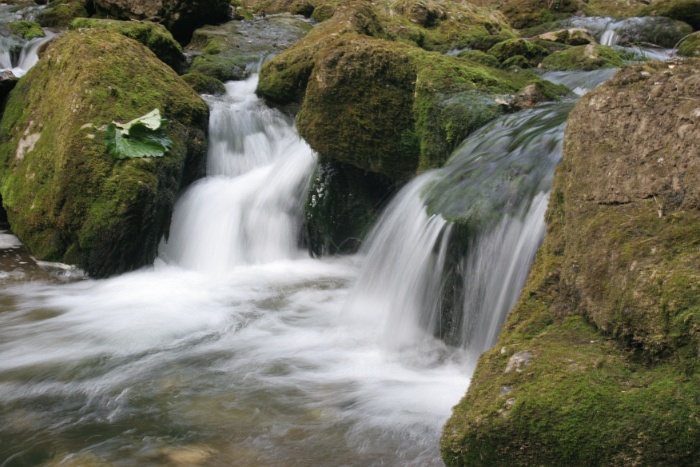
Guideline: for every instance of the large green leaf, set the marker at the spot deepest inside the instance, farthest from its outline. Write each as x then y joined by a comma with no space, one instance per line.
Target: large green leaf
142,137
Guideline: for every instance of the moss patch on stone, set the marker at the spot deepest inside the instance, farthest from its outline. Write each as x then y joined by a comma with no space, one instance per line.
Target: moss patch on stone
683,10
203,84
530,51
609,319
60,13
27,30
67,199
154,36
583,57
690,47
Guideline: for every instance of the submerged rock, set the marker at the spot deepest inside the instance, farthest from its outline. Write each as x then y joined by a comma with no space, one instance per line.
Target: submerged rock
612,303
66,197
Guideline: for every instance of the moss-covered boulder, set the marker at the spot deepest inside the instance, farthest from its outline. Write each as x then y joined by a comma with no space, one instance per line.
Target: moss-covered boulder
530,51
529,13
480,57
379,105
60,13
690,47
66,197
152,35
583,57
598,362
180,17
383,106
204,84
684,10
444,25
26,30
233,50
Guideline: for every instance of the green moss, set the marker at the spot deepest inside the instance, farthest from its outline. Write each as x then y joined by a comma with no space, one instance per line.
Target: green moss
204,84
683,10
690,46
67,199
528,13
154,36
583,57
60,13
530,51
223,68
515,62
27,30
480,57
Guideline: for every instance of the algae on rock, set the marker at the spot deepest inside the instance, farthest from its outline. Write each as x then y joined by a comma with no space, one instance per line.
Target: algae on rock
611,312
66,197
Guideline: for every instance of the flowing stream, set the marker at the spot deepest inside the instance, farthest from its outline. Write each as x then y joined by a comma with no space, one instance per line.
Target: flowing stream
237,348
233,349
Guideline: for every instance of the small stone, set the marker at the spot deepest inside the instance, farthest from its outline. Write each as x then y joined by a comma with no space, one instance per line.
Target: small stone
505,390
518,360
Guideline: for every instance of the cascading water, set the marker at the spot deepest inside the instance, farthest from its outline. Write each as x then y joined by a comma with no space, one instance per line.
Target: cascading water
495,186
19,57
247,210
232,349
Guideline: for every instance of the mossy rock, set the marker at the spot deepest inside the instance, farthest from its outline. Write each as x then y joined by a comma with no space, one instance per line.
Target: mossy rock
60,13
690,47
528,13
583,57
597,364
180,17
232,51
687,11
283,79
480,57
356,88
361,90
269,7
26,30
204,84
447,25
512,47
152,35
67,198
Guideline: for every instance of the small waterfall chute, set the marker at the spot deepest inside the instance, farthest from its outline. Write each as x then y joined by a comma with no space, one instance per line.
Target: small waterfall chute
248,209
18,56
494,191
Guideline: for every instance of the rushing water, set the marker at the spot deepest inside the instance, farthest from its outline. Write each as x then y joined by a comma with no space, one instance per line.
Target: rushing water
235,348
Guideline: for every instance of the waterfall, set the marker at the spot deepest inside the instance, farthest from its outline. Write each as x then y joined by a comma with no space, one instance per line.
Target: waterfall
248,208
19,57
610,37
398,288
495,188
